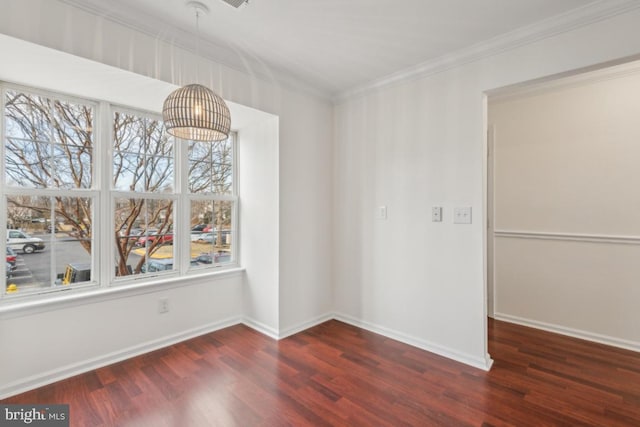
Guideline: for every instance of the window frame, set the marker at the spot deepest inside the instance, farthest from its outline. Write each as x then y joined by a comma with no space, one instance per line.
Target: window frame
213,197
103,196
114,194
91,193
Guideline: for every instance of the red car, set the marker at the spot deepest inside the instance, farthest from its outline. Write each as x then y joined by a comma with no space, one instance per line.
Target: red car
11,257
149,239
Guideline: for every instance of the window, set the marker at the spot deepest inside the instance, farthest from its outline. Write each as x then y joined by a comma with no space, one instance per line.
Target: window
171,205
212,201
48,180
143,194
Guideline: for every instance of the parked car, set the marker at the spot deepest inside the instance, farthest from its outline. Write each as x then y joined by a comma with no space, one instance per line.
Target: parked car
21,241
157,265
213,237
11,256
164,264
10,269
149,237
215,258
75,272
195,235
55,229
206,238
134,233
199,227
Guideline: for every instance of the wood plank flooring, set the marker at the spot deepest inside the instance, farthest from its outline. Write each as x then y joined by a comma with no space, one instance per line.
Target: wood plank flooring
337,374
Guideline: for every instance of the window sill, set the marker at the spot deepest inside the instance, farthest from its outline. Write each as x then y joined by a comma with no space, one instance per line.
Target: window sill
28,305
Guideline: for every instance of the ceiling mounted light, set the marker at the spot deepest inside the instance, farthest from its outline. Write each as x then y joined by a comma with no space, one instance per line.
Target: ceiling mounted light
195,112
236,3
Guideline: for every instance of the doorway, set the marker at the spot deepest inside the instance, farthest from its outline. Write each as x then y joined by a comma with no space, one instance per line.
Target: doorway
563,234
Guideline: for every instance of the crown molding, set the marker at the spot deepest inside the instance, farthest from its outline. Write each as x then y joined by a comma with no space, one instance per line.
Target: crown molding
575,18
165,31
558,83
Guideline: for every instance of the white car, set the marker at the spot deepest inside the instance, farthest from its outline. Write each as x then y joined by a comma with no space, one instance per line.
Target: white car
206,237
195,235
21,241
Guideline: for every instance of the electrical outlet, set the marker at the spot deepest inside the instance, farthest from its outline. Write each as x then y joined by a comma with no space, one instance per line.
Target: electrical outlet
163,305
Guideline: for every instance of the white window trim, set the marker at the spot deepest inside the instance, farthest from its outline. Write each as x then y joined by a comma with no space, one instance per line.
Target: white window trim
92,193
104,285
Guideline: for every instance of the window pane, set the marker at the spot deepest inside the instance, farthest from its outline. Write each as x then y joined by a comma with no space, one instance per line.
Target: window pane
30,248
211,244
159,174
73,218
142,155
158,142
28,213
73,142
72,124
128,171
49,143
211,167
144,237
27,163
128,133
72,166
73,259
46,232
27,116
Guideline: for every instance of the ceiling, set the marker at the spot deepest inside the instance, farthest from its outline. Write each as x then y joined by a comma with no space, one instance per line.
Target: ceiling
335,46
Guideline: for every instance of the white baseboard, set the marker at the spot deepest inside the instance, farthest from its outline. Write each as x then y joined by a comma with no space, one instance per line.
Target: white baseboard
278,335
575,333
68,371
480,363
260,327
484,364
305,325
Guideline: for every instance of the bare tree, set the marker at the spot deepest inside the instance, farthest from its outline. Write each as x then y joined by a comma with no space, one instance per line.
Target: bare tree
211,171
50,144
142,163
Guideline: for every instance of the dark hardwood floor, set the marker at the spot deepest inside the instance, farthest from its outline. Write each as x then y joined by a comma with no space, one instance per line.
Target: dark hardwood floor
336,374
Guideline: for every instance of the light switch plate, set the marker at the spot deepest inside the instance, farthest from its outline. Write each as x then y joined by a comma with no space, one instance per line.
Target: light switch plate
436,214
381,212
462,215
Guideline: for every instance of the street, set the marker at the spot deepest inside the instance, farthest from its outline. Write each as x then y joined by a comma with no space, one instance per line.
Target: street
34,270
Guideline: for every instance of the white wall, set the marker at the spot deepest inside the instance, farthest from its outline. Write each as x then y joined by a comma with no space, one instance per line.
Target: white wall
259,242
418,144
63,338
566,162
293,195
305,214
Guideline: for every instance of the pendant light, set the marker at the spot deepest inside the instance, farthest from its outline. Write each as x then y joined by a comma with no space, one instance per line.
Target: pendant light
195,112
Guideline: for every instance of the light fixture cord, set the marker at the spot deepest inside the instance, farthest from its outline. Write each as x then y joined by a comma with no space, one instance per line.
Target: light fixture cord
197,32
197,44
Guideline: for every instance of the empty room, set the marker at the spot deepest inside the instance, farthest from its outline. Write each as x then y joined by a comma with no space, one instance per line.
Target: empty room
320,212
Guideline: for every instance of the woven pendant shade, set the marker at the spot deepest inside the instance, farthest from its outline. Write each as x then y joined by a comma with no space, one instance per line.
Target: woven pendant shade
196,113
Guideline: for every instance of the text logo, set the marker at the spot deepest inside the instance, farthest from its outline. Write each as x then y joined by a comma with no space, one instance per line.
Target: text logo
34,415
